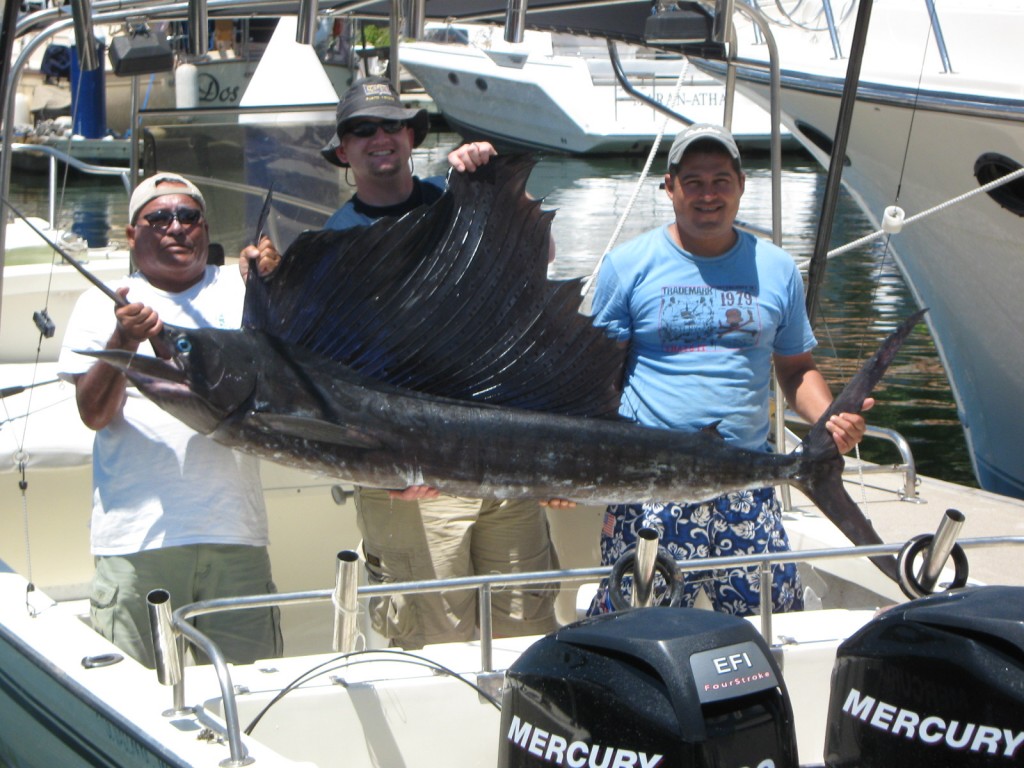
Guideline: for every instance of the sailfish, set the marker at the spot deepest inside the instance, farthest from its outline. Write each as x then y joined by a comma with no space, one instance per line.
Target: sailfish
433,349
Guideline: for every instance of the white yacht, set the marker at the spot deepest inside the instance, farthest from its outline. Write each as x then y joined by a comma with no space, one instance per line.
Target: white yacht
559,92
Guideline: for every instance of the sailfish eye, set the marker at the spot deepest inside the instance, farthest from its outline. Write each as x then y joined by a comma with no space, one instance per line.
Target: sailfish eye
183,345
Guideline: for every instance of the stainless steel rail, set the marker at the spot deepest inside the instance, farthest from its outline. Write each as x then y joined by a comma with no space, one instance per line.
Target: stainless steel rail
55,155
906,464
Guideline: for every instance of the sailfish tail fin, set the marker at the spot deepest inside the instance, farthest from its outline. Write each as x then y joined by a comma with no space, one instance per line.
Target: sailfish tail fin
820,476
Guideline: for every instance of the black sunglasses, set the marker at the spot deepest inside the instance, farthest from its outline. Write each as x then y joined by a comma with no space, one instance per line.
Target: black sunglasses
366,129
161,219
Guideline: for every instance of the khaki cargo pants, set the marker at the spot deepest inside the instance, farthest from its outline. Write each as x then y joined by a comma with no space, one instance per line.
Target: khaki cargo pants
450,537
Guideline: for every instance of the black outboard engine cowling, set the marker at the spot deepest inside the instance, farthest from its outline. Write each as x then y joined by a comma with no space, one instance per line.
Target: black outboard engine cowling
648,688
935,682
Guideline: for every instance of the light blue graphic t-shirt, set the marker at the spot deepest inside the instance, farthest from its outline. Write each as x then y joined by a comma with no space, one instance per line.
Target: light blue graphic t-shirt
702,331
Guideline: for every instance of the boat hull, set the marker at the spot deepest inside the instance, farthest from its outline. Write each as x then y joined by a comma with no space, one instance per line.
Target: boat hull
50,711
918,142
533,98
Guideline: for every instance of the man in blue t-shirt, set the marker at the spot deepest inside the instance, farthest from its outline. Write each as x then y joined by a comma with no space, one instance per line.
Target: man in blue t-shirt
417,533
705,311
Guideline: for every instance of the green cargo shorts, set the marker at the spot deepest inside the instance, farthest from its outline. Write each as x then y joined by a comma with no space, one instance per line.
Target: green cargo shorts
120,584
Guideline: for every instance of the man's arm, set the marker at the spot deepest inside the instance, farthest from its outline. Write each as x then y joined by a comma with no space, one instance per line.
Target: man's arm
809,395
100,391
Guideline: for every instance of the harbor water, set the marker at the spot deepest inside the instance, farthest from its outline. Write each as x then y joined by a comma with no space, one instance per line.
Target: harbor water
863,300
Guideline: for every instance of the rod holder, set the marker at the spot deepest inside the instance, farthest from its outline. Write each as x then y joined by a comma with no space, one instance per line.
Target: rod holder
486,630
515,21
934,558
346,608
85,41
165,648
643,568
765,576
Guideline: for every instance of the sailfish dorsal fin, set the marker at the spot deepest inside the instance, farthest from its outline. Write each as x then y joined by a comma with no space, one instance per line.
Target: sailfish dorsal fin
451,299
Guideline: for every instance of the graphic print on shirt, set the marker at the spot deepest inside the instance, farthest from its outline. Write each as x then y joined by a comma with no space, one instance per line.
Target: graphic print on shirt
700,318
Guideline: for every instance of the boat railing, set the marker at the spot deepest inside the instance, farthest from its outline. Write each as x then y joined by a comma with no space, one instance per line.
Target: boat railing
624,82
940,38
172,629
906,464
833,32
55,156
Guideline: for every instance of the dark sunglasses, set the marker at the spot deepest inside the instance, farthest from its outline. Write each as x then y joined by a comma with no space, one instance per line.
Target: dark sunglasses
161,219
366,129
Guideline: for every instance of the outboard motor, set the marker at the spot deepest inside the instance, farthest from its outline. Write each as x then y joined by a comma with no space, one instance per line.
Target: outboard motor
648,688
935,682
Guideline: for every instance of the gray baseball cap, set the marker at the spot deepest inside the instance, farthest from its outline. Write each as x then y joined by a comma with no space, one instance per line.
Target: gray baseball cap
699,132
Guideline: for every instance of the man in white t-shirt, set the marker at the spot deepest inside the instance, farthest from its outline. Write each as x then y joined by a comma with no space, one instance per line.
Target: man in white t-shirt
172,509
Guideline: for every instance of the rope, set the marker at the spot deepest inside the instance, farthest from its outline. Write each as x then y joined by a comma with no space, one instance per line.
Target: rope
588,282
935,209
30,587
21,459
22,456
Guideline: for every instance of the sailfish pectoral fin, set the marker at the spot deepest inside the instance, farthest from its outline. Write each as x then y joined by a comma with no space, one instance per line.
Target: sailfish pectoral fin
308,428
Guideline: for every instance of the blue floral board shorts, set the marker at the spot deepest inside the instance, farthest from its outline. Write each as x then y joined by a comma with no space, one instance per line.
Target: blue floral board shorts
744,522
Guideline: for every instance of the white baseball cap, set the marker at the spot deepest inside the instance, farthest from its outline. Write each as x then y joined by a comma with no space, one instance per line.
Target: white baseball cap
151,188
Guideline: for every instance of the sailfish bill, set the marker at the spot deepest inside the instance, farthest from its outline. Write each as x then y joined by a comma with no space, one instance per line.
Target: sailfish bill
432,349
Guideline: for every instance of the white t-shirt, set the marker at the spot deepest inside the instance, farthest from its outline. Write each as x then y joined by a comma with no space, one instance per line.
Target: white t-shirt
156,482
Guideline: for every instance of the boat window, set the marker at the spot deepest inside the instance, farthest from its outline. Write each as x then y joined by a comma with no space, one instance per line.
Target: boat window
453,78
481,84
445,35
991,166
